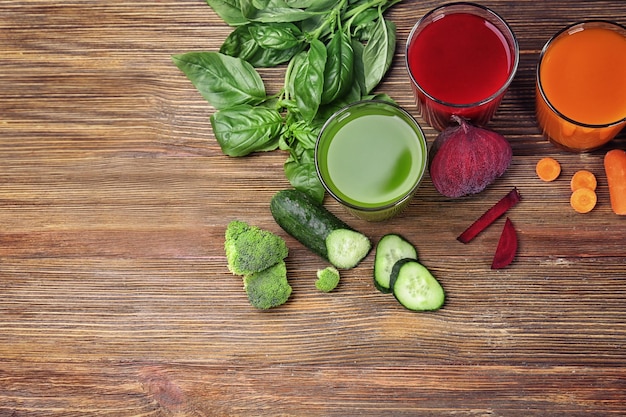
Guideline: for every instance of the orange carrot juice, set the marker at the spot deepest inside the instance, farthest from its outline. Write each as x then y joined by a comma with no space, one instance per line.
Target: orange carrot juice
581,85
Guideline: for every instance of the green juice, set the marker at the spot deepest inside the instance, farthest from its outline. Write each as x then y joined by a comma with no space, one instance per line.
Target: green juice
371,155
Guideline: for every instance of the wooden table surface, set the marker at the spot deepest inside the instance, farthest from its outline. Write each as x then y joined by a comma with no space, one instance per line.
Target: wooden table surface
115,299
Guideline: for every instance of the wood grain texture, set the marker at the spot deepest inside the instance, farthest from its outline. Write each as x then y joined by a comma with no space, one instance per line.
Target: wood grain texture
115,299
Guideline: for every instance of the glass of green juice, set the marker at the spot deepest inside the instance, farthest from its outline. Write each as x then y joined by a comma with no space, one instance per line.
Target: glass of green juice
371,156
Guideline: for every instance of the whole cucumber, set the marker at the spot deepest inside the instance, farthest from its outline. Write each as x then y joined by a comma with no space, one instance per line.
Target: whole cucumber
318,229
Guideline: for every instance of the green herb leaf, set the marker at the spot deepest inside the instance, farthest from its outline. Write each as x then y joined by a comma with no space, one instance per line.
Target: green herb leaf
244,129
359,67
229,11
378,53
224,81
338,73
363,23
240,43
260,47
302,175
272,11
309,80
276,35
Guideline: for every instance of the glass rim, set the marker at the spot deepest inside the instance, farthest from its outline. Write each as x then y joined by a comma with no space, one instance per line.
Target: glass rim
568,28
489,11
411,121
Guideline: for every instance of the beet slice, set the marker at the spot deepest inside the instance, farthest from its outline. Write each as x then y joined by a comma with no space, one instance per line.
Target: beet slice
507,246
491,215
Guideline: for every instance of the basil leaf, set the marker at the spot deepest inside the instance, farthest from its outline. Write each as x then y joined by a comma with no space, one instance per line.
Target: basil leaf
309,80
301,132
380,97
302,175
313,5
244,43
339,67
276,35
359,68
378,53
229,11
240,43
363,23
272,11
224,81
244,129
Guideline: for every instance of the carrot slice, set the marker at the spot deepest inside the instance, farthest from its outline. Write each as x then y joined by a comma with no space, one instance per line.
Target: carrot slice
548,169
512,198
583,200
615,168
507,246
583,179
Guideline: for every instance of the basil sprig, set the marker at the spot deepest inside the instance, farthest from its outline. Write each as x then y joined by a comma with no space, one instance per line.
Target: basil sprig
336,52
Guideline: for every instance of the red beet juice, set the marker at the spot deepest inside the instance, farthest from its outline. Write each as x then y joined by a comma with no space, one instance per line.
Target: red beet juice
460,63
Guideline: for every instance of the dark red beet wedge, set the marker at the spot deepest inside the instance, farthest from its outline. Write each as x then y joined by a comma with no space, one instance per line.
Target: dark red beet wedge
507,246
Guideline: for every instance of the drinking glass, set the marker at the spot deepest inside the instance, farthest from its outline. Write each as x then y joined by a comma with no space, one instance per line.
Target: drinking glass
461,58
581,85
371,157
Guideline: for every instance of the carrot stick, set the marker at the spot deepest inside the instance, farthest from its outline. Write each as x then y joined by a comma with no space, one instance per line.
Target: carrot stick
615,168
583,179
548,169
583,200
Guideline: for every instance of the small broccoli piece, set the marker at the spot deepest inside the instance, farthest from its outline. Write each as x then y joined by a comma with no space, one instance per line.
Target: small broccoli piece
250,249
327,279
268,288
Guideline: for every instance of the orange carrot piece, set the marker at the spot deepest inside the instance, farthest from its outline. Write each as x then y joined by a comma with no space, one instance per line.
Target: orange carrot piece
548,169
583,179
583,200
615,168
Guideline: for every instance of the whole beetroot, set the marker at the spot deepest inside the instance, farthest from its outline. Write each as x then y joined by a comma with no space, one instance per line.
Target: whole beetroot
465,159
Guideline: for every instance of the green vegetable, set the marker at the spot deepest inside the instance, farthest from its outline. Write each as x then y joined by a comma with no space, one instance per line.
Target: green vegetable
327,279
336,51
244,129
263,44
318,229
250,249
415,287
222,80
378,53
229,11
339,69
269,287
309,80
389,250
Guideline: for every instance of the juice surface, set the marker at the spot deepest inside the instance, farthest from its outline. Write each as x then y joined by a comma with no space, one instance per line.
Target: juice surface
583,75
373,159
460,59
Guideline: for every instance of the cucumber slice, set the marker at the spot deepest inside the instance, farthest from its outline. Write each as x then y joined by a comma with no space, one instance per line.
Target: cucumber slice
415,287
389,250
346,248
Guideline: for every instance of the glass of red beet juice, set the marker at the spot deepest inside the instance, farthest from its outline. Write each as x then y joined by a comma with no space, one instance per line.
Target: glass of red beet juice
461,58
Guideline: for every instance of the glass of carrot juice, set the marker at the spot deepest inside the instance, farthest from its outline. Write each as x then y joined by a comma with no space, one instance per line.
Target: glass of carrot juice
461,58
581,85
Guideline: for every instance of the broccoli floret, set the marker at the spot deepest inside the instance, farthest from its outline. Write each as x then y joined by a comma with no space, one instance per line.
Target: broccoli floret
268,288
250,249
327,279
